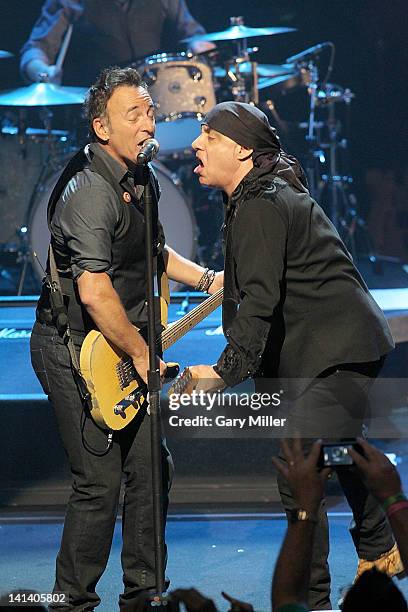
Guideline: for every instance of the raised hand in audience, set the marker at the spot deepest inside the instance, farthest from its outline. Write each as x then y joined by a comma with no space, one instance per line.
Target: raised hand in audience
193,600
290,582
236,604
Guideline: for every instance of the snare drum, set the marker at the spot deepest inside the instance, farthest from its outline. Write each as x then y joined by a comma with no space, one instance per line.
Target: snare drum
181,86
175,213
175,136
178,84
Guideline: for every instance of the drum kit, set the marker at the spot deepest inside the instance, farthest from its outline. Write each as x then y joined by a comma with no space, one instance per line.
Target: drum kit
184,87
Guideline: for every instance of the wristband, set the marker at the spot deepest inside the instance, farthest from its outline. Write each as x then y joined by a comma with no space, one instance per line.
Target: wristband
205,281
402,505
393,499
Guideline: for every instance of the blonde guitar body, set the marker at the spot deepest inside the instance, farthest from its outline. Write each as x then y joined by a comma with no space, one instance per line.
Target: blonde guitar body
117,392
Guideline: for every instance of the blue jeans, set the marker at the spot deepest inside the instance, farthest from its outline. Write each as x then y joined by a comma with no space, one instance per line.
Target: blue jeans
96,483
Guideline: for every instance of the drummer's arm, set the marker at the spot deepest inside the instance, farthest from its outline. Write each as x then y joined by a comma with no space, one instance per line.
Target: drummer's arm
187,272
181,20
40,51
184,24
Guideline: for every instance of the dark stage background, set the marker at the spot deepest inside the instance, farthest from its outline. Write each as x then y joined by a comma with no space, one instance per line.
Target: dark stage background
371,57
371,60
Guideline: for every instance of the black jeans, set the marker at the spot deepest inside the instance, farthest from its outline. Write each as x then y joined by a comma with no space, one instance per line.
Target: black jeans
96,482
335,407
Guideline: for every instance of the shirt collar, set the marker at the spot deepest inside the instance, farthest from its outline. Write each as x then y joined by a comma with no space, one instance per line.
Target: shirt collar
249,178
119,172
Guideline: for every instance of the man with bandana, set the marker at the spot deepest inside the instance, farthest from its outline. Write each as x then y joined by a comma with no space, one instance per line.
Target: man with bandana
295,308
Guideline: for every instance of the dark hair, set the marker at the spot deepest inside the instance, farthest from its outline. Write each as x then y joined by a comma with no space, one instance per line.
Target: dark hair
99,93
374,592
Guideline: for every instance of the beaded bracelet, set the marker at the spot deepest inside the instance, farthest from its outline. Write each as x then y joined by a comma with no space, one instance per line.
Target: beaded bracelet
202,280
393,499
402,505
205,281
210,280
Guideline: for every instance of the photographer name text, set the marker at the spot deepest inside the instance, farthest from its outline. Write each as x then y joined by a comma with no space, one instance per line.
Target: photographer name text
221,420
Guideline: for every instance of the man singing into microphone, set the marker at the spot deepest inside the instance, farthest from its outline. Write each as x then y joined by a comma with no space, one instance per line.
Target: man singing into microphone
97,234
295,308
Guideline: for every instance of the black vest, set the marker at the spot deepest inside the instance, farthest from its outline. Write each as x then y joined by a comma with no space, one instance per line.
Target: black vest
128,253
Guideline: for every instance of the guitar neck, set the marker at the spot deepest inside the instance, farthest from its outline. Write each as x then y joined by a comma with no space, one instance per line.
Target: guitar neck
177,330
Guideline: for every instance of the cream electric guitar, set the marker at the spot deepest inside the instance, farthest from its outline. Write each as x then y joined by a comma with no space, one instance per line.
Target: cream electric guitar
117,391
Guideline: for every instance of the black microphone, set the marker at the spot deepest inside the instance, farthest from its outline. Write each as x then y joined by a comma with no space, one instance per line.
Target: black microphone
148,151
307,52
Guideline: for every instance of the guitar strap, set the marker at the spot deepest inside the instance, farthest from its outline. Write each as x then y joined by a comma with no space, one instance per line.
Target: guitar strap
61,320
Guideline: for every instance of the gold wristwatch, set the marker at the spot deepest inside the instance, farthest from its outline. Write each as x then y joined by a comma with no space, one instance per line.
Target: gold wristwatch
299,514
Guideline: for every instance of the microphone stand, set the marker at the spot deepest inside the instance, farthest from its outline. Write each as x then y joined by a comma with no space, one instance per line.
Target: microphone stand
142,177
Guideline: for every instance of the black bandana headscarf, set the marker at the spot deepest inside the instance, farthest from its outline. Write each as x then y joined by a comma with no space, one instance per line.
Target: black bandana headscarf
249,127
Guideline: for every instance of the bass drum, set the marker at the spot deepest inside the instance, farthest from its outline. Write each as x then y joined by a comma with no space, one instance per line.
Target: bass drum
175,214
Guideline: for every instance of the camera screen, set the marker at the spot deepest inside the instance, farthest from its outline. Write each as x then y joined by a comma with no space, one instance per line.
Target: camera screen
337,454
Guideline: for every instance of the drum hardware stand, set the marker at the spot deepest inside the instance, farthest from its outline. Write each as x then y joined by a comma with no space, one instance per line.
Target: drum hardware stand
240,92
280,123
239,89
22,126
315,154
46,116
341,203
23,257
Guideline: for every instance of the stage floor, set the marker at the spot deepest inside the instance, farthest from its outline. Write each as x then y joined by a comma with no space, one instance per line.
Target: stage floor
234,553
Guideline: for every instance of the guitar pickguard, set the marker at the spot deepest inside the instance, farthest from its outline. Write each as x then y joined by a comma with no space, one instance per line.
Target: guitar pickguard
136,399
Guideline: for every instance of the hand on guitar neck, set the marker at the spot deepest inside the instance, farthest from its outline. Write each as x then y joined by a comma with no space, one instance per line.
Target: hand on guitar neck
197,378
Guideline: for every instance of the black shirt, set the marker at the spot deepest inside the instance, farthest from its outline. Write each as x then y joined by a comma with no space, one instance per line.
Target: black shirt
89,216
294,303
94,229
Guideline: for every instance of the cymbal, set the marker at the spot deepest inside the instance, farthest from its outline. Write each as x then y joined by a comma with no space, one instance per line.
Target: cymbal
43,94
263,70
285,82
236,32
5,54
276,80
